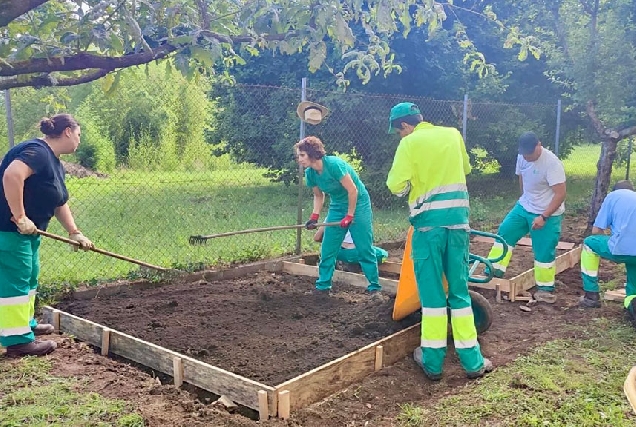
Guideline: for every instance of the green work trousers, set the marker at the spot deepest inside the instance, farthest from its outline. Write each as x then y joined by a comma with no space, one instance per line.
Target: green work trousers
19,270
594,248
517,224
435,253
362,234
352,256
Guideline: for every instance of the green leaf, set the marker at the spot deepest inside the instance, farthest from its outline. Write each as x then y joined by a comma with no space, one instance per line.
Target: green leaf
107,82
317,55
523,54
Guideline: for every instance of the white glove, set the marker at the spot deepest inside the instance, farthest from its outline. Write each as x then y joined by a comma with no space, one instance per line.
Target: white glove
84,242
25,225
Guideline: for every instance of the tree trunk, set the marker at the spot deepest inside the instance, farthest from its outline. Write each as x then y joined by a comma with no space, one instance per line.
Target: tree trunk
603,177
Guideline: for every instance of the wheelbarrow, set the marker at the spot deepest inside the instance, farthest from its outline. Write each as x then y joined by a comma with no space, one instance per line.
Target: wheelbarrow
407,299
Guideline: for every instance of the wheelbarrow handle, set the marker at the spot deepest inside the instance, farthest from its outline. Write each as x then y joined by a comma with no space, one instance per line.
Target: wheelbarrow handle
497,238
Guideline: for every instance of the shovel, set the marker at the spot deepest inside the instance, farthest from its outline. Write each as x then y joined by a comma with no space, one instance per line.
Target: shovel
201,240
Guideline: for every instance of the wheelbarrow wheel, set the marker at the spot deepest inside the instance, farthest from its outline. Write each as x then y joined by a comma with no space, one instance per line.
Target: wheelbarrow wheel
482,312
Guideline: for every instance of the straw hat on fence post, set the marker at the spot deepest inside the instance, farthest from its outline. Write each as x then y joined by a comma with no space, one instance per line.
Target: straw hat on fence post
311,113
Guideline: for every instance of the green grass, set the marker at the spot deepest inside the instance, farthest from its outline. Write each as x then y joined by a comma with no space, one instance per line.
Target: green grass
30,396
149,216
562,383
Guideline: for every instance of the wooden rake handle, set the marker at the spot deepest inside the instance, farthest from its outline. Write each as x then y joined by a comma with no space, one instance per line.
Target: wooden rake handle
101,251
259,230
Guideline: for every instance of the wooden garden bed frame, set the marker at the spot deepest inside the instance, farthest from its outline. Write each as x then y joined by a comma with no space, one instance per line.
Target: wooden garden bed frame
280,400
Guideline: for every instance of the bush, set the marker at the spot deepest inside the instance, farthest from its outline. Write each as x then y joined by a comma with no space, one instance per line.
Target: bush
96,151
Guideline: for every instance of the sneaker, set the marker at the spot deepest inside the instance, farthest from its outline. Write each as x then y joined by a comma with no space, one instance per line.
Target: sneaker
417,356
34,348
545,296
590,300
488,367
43,329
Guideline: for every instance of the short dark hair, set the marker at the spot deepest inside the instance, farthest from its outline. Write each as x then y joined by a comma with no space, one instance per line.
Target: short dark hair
54,126
313,146
413,120
623,184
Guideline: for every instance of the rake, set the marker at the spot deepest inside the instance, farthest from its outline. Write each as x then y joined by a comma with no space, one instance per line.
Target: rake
201,240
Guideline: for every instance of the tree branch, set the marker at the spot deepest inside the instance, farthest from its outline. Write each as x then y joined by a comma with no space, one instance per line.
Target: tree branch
83,61
12,9
596,122
45,80
560,32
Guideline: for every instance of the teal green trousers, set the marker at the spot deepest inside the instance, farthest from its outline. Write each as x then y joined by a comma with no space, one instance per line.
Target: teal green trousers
362,234
436,253
352,256
594,248
19,270
517,224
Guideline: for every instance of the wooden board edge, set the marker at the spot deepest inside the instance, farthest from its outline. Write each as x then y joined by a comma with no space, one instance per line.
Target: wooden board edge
118,341
364,359
209,275
389,286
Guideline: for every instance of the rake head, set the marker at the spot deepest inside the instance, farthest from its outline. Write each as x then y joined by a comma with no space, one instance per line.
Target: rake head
197,240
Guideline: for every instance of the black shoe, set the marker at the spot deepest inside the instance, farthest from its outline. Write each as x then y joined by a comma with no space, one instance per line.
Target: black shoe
34,348
590,300
488,367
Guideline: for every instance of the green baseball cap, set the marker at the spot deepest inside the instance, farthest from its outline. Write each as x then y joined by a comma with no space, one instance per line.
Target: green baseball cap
400,110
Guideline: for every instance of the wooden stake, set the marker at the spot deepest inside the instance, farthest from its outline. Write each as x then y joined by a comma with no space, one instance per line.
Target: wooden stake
513,291
284,404
301,261
379,352
105,341
263,408
177,371
56,320
497,293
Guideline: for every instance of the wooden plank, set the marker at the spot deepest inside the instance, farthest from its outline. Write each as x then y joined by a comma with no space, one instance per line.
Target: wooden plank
105,342
237,388
615,295
378,358
338,374
284,404
263,408
224,274
177,369
390,267
389,286
216,380
525,241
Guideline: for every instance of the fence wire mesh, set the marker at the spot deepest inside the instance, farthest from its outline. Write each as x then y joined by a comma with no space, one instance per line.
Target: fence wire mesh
160,162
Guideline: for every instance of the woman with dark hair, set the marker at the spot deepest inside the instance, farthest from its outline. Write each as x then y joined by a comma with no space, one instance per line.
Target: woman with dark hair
33,191
348,197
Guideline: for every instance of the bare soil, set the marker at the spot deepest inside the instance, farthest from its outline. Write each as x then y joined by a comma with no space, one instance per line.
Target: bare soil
268,327
376,400
79,171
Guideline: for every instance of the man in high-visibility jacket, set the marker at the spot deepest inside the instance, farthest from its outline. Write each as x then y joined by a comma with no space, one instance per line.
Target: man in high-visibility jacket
618,215
430,166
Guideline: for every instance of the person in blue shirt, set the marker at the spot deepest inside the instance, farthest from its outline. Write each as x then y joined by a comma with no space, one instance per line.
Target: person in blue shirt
33,191
348,198
617,216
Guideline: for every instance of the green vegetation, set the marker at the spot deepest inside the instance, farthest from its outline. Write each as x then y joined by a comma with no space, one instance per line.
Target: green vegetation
575,382
30,396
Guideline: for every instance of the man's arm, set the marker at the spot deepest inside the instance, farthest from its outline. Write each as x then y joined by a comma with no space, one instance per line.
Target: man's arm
557,199
520,184
399,179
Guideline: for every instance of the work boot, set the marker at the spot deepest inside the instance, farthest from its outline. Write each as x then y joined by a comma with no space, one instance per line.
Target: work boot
631,311
43,329
34,348
545,296
590,300
418,357
488,367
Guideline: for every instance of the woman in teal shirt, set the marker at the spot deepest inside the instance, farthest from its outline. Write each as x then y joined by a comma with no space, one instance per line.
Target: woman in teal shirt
349,198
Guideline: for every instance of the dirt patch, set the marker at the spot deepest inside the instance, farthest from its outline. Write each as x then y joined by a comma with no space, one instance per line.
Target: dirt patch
268,327
79,171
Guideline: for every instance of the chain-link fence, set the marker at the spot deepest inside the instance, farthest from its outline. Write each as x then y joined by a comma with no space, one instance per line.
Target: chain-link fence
165,161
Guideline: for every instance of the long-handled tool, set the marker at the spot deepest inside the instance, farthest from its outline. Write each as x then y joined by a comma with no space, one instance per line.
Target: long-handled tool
103,252
200,239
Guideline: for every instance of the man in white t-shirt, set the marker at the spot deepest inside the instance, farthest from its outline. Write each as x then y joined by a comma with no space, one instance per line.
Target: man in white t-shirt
538,211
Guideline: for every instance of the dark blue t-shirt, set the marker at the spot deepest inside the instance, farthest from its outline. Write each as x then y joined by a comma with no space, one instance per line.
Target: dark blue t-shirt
44,190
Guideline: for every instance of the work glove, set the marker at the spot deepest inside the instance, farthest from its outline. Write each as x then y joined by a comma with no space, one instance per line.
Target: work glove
25,225
346,221
84,243
313,221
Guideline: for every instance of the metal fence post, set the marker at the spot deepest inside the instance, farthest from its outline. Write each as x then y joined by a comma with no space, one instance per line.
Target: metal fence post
629,157
558,128
465,116
7,107
301,175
